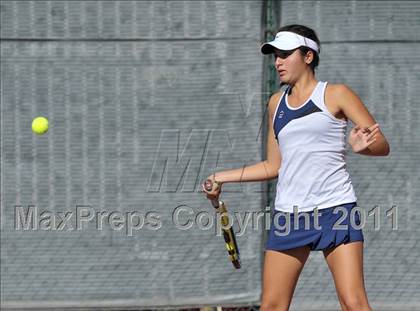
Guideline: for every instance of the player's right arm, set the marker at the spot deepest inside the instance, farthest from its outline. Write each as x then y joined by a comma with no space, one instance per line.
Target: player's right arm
263,170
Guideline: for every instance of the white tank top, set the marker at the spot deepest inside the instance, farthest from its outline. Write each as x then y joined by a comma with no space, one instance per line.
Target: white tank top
312,145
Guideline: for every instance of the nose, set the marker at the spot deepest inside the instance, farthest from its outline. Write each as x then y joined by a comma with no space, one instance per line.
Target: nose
277,62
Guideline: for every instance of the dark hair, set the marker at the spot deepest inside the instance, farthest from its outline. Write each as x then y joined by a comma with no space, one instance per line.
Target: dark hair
308,33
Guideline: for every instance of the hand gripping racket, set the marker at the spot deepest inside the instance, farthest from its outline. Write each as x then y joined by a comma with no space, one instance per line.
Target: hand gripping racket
228,233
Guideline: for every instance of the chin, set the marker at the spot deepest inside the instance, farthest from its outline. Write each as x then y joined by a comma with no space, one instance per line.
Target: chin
284,81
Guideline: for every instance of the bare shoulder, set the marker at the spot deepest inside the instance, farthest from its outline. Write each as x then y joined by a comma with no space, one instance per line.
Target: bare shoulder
339,93
274,100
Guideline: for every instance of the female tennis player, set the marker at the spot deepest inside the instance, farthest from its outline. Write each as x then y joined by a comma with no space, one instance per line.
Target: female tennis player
306,144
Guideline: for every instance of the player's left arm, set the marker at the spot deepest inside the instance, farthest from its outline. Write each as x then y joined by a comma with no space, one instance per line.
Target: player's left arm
353,108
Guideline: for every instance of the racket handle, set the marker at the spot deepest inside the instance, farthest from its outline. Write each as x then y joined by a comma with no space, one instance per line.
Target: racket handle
215,203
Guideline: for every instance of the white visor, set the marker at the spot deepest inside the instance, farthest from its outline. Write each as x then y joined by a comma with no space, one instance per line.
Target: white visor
286,40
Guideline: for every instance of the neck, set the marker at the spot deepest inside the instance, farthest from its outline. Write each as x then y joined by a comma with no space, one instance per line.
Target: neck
304,85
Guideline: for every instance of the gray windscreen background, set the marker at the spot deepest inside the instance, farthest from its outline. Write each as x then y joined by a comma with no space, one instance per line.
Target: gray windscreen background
145,100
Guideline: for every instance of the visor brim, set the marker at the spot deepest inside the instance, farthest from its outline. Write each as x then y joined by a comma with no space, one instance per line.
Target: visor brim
270,47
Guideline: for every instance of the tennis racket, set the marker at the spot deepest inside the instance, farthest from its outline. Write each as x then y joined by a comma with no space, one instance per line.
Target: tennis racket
228,234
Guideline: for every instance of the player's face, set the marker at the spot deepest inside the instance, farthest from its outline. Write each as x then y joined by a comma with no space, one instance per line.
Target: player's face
289,65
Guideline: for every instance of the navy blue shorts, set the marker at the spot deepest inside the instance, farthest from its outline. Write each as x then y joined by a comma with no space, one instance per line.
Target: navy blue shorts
333,226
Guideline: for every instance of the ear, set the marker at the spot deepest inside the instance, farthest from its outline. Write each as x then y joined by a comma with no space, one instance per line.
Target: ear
309,57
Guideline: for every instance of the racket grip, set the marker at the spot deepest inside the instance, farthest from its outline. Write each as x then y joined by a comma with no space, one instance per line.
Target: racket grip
215,203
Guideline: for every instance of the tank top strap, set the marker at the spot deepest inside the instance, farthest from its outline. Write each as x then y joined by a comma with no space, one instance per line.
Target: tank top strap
279,103
319,95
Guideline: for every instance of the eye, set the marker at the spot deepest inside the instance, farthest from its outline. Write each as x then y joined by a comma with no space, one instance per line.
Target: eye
283,54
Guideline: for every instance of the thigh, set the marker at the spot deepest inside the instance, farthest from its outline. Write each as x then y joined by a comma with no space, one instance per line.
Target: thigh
345,262
280,276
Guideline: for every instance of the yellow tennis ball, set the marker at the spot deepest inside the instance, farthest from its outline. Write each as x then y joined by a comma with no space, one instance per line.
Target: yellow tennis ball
40,125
